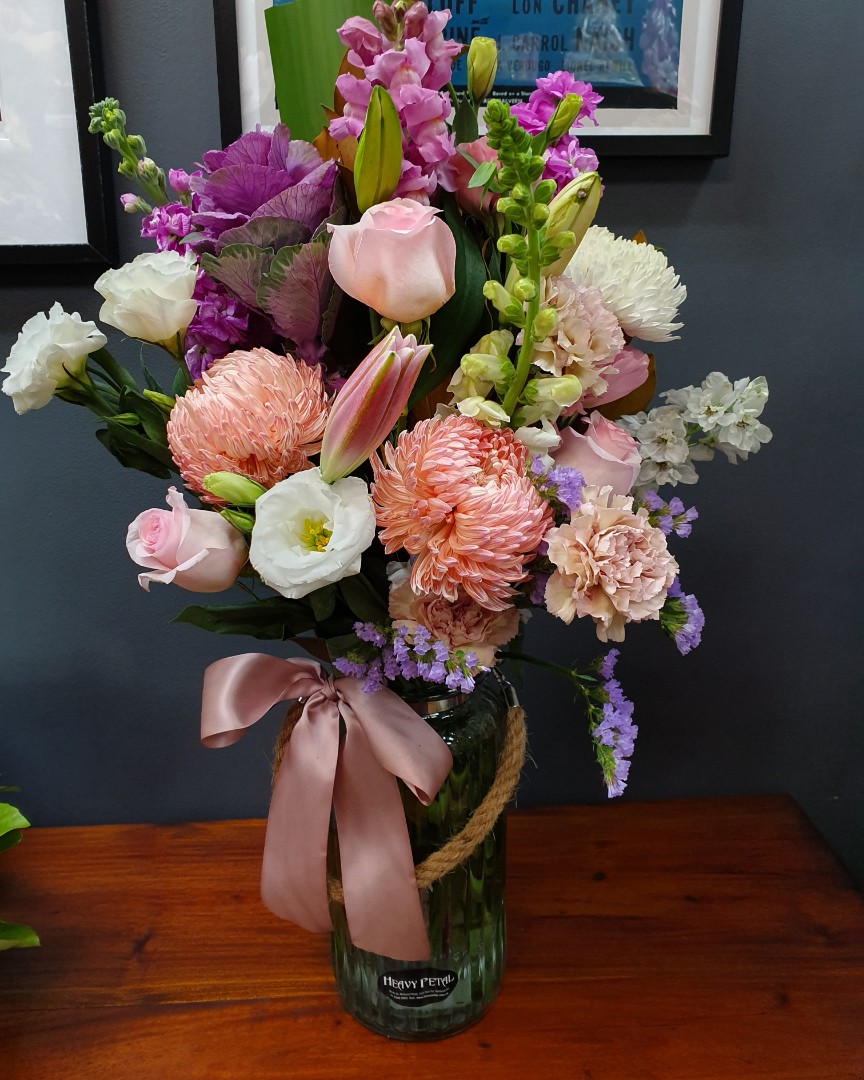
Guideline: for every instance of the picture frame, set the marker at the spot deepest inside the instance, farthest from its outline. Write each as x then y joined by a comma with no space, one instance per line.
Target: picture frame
633,120
44,133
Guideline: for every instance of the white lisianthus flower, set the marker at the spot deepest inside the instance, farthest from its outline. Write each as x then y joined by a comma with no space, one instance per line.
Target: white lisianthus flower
150,298
636,281
50,353
309,534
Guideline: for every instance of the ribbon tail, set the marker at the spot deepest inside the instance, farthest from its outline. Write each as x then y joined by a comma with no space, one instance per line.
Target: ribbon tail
294,869
382,904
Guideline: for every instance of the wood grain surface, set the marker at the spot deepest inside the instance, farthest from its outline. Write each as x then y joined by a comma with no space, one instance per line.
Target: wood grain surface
686,940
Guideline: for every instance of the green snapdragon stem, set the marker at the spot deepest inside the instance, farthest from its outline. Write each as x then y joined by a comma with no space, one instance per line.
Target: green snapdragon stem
526,352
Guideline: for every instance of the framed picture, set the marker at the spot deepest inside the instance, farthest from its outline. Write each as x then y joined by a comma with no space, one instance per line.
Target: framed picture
666,68
55,181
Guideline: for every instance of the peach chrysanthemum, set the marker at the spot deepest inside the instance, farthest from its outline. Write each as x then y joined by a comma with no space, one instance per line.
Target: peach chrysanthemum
255,413
454,493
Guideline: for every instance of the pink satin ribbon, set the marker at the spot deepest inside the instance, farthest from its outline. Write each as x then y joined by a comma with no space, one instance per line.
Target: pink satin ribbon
384,739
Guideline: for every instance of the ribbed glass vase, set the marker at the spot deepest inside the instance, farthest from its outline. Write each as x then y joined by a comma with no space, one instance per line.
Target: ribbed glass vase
464,910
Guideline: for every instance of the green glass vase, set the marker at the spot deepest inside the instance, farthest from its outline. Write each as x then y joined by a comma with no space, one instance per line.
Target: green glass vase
464,910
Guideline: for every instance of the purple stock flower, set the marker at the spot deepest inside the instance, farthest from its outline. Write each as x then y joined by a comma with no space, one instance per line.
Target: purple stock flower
535,113
220,323
566,159
167,225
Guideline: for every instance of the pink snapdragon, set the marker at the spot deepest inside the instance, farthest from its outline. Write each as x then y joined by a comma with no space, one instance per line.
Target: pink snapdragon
414,71
369,404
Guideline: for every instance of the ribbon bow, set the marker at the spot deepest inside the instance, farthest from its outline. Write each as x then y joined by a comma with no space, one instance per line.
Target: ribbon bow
384,739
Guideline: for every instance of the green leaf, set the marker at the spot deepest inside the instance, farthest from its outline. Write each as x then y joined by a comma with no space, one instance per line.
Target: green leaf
11,818
342,645
323,602
454,328
151,382
10,839
13,936
134,451
362,599
465,121
275,619
153,419
482,174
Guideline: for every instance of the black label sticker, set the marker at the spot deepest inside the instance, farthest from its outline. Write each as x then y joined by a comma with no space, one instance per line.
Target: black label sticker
414,989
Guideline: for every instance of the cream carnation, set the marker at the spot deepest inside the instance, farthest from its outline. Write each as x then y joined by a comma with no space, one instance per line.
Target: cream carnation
611,564
254,413
460,624
636,281
587,338
309,534
50,353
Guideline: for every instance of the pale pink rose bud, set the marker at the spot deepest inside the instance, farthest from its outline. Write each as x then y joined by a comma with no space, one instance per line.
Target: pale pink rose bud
473,200
369,404
399,259
605,454
631,371
195,549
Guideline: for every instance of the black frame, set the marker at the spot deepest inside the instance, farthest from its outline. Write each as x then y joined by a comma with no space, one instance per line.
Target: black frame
87,86
714,144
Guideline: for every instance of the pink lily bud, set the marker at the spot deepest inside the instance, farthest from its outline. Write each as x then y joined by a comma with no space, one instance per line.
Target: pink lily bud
369,404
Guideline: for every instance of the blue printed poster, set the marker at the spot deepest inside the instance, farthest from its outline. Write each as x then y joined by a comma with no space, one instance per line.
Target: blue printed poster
629,48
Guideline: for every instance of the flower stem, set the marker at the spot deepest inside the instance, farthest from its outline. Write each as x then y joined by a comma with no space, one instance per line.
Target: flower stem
526,352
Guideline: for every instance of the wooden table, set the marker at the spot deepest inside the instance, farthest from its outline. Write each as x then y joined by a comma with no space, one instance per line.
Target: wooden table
683,940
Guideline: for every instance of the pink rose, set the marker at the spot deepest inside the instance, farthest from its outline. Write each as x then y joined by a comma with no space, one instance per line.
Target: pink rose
604,454
461,624
627,371
399,259
195,549
610,563
472,200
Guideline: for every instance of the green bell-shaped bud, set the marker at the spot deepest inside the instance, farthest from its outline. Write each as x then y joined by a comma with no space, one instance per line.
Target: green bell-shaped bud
378,164
233,488
482,68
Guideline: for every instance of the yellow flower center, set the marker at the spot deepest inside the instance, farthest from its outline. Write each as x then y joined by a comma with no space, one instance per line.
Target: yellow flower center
315,535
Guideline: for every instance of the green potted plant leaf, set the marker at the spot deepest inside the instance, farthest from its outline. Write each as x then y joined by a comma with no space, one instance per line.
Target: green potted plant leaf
12,821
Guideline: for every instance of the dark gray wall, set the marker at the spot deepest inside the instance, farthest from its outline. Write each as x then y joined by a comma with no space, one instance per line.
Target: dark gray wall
100,694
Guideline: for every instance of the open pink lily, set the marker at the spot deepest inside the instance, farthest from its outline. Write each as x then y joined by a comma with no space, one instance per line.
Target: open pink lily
369,404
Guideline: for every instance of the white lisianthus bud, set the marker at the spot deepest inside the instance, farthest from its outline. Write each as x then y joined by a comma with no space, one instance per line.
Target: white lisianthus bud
150,298
50,353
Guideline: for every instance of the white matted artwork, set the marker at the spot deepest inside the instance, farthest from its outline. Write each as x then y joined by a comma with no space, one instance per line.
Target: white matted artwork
51,183
257,88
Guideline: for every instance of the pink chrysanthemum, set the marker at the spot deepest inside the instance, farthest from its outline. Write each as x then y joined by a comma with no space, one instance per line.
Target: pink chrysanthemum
454,493
255,413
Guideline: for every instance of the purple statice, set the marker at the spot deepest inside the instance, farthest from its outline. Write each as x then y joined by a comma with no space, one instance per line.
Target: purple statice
220,323
535,113
611,724
537,595
414,65
682,618
557,483
669,517
167,225
388,654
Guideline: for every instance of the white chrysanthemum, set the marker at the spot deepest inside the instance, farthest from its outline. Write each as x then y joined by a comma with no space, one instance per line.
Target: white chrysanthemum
636,281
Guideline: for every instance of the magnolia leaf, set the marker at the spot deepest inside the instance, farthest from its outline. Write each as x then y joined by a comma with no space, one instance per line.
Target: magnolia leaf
637,400
640,238
362,599
274,619
10,839
240,268
13,936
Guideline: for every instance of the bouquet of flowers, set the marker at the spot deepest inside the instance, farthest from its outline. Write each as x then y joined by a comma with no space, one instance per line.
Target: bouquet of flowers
412,399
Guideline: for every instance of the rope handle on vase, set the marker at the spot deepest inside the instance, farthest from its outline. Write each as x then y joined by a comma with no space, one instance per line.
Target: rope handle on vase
459,847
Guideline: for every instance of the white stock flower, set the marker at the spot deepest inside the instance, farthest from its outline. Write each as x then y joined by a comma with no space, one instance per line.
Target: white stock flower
50,353
727,412
150,298
636,281
309,534
663,444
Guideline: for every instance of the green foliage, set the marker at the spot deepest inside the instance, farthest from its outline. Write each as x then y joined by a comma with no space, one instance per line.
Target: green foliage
12,821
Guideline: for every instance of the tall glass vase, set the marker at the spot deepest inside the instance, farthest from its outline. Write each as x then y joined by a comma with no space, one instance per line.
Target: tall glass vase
464,910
